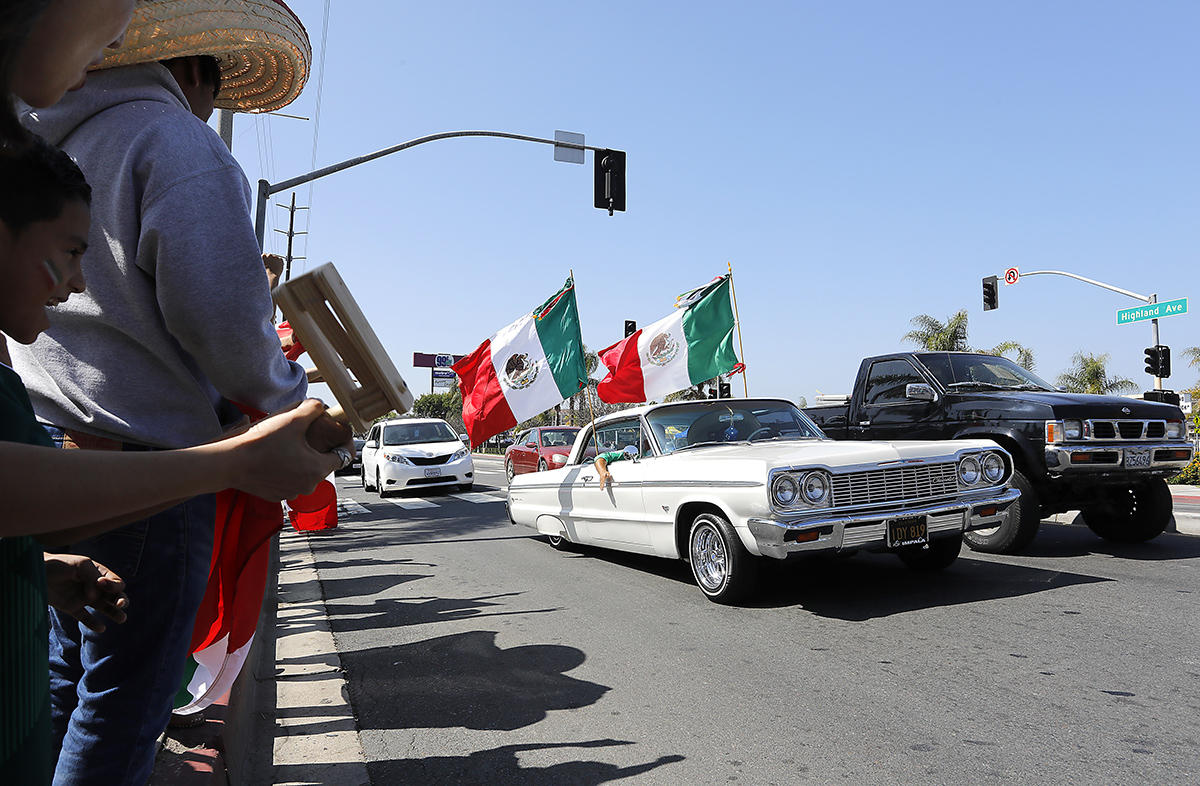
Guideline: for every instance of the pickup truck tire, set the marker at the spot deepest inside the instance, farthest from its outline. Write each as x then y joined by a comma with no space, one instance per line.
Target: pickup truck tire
723,569
1025,516
934,556
1132,515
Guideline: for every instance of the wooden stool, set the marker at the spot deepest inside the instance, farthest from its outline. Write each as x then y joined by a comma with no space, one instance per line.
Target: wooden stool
340,341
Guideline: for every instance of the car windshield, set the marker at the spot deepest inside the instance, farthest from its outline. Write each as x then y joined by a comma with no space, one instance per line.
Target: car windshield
416,433
980,372
558,437
728,420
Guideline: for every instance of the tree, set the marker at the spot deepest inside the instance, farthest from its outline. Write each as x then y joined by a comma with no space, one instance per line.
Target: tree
1089,374
933,335
1191,355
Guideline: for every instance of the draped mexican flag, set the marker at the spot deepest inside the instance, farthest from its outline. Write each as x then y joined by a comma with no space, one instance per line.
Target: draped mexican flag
524,369
692,344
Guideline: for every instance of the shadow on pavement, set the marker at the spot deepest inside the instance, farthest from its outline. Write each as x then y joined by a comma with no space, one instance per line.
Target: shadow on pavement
392,613
500,765
865,586
465,680
1076,540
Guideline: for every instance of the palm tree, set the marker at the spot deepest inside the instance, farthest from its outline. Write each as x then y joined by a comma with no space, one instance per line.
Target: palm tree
1089,374
1191,355
934,336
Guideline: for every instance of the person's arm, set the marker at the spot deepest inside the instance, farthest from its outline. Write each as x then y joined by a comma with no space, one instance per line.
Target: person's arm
198,243
74,582
47,489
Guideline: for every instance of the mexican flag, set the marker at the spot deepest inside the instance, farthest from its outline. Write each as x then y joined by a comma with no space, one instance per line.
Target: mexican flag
524,369
692,344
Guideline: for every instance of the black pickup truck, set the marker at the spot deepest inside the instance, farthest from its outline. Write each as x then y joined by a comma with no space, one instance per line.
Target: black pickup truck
1105,456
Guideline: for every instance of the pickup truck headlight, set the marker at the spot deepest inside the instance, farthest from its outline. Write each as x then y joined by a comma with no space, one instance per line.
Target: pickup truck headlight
968,471
397,458
1072,429
993,467
1175,429
785,490
814,488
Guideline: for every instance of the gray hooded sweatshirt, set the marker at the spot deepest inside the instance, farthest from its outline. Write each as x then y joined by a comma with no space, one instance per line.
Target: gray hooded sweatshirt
177,310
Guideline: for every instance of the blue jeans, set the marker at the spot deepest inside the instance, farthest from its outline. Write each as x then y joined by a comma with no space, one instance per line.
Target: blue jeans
111,693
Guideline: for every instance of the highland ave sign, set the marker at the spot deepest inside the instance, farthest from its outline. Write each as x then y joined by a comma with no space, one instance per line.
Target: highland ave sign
1168,308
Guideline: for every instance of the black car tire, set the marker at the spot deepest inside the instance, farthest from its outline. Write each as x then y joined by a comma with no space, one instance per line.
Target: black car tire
465,487
379,485
1024,518
933,556
1132,515
363,476
542,465
509,469
721,566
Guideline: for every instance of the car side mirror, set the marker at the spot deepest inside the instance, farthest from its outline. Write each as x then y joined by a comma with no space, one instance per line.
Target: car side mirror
466,439
919,391
631,453
531,444
372,444
558,459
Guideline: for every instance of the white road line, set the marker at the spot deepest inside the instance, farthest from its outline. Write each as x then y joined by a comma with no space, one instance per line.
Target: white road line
412,503
351,507
476,497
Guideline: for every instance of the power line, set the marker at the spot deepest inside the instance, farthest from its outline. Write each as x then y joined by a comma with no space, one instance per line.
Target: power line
317,116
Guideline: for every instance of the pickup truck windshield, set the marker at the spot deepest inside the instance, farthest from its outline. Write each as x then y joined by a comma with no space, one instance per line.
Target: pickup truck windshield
728,420
980,372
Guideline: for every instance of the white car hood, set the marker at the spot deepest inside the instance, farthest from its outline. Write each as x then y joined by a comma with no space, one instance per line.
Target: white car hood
829,452
426,449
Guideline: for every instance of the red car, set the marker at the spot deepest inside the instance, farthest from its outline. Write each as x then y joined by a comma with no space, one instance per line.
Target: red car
533,450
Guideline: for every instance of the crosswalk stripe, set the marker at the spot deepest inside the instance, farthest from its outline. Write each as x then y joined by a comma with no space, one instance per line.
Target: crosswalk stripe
476,497
412,503
351,507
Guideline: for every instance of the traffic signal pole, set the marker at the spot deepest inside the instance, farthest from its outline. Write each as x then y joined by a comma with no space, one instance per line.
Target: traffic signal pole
266,188
1151,299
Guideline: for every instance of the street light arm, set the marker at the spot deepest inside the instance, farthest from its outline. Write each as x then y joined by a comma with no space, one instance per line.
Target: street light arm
1135,295
266,189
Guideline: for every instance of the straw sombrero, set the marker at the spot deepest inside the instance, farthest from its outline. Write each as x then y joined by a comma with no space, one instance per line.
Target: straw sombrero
263,49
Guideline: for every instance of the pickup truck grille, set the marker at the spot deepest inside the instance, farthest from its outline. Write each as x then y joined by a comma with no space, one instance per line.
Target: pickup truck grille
879,486
1125,429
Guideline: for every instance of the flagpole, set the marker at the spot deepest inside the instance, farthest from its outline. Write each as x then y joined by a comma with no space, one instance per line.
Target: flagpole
738,321
587,387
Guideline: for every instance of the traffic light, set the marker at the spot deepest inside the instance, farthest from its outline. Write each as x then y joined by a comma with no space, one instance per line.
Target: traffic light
609,180
712,392
991,297
630,328
723,390
1158,361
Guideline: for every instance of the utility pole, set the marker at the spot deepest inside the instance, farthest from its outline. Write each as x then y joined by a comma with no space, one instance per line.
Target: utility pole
291,234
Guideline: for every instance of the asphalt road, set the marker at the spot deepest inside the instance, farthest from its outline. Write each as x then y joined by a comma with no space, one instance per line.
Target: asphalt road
476,653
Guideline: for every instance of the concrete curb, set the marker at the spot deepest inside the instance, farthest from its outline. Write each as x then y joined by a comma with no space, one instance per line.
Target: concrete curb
311,688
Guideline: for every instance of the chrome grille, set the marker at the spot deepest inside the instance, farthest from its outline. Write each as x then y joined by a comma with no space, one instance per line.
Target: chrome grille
878,486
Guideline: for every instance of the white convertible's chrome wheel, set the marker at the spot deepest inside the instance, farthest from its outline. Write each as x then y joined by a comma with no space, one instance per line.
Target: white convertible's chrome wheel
710,556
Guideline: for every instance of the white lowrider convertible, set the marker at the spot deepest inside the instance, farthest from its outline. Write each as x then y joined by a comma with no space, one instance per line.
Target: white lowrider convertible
723,483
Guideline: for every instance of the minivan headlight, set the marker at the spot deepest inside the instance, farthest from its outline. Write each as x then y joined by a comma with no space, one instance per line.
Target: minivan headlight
968,471
460,454
397,458
993,467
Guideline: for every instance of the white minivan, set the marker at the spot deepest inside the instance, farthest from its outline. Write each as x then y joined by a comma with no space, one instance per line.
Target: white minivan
412,453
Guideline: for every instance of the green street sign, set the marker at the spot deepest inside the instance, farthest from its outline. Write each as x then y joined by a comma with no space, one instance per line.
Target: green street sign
1168,308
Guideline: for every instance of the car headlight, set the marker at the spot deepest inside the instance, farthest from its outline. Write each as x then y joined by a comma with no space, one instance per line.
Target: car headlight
1175,429
1072,429
968,471
785,490
814,488
396,457
993,467
460,454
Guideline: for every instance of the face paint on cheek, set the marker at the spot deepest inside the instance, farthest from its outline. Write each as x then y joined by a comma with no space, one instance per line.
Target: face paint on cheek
52,271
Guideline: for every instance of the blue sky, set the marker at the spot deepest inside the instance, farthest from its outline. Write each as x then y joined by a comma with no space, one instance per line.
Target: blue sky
857,163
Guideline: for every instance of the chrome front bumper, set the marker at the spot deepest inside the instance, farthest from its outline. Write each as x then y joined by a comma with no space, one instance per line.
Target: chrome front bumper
1061,459
776,537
